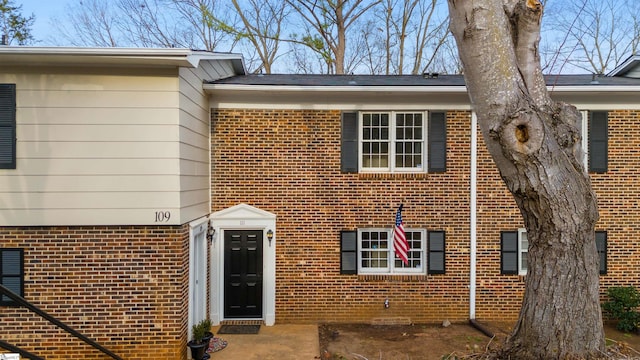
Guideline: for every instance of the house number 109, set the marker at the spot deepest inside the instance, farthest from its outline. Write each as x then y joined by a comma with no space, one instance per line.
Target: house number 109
163,216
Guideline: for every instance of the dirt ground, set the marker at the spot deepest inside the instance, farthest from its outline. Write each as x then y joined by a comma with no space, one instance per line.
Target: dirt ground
428,342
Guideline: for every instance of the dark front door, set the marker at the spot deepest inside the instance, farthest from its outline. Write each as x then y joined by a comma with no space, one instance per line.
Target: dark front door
243,273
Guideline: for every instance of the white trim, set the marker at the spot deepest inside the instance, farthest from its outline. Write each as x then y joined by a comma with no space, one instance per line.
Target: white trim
401,89
243,217
216,104
584,143
196,228
522,232
87,56
332,89
473,215
630,63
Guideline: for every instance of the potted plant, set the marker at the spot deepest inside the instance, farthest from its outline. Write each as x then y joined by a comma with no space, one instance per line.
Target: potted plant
198,346
208,335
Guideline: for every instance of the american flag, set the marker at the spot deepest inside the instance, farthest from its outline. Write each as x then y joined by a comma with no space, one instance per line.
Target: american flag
400,244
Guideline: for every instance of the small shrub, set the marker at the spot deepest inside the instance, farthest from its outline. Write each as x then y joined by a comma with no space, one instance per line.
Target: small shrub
622,307
198,331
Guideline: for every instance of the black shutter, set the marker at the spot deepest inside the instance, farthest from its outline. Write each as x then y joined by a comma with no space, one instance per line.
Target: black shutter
348,252
11,273
509,252
7,126
598,141
437,142
601,245
349,147
436,252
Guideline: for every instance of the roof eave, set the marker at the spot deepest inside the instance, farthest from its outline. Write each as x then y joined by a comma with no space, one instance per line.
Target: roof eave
210,88
72,56
630,63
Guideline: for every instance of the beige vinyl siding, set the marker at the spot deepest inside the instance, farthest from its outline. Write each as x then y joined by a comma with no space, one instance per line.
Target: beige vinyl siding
109,144
95,147
194,137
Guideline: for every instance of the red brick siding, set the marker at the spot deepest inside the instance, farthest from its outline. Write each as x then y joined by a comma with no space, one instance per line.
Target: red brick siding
288,163
499,296
618,199
125,287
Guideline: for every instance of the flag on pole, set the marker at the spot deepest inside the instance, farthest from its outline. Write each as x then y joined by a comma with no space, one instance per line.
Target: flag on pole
400,244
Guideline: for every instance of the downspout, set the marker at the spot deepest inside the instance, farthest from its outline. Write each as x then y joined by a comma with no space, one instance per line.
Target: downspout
473,206
473,218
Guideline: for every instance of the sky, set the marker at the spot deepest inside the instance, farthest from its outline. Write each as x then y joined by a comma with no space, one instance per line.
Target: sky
45,11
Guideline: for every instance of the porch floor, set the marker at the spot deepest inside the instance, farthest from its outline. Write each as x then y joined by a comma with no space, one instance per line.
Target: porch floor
285,342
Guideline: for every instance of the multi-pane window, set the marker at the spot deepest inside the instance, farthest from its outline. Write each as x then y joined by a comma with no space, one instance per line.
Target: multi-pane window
374,250
409,140
376,253
523,251
375,140
392,141
415,254
11,273
514,247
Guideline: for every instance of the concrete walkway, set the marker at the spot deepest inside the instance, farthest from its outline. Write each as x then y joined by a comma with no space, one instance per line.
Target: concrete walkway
278,342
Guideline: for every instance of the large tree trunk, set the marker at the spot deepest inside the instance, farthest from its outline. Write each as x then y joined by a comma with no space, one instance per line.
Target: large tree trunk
535,145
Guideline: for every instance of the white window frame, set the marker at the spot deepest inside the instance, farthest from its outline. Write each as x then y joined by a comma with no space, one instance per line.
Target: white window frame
523,251
584,137
391,168
391,268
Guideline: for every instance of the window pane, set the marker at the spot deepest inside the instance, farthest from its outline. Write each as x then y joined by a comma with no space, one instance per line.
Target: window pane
10,262
375,137
415,255
409,140
374,246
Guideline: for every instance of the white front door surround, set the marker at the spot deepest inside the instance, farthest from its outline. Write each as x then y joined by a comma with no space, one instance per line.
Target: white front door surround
197,272
243,217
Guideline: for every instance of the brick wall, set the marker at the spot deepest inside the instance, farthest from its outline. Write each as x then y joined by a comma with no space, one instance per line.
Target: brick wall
288,162
499,297
125,287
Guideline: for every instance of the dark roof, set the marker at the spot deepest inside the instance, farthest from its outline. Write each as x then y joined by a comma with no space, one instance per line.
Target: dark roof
405,80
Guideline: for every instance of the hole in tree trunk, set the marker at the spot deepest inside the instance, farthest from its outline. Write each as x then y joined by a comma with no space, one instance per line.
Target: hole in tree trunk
522,134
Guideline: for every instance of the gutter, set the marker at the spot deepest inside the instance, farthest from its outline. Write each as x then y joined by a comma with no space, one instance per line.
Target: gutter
447,89
473,216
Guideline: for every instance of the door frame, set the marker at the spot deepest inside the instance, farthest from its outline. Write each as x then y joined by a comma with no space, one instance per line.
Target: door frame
243,217
197,249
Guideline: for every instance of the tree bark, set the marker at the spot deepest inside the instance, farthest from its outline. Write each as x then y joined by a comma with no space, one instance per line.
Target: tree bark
534,142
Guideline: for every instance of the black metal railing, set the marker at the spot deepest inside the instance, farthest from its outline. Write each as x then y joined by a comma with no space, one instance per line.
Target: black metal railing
23,302
14,349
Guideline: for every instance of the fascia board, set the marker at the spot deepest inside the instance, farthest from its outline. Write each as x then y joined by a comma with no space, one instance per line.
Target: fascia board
43,56
295,88
401,89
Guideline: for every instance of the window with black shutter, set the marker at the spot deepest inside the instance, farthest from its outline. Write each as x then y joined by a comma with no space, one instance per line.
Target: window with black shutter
349,146
436,261
601,245
11,273
348,252
7,126
393,142
509,252
598,141
437,142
